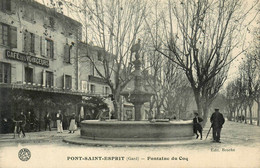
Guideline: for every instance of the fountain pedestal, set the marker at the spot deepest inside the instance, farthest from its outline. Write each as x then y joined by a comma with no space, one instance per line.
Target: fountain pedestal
139,95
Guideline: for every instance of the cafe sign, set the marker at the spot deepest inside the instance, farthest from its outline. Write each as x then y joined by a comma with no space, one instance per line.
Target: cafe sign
26,58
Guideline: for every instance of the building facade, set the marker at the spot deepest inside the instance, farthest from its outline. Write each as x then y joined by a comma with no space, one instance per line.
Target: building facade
91,61
39,68
91,82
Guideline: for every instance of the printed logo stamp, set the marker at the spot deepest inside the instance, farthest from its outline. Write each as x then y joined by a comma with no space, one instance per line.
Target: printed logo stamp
24,154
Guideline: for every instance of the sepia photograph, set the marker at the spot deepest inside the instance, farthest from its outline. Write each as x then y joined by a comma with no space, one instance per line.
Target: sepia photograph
129,84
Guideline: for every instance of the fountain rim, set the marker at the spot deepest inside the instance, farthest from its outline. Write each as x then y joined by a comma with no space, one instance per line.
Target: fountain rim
142,122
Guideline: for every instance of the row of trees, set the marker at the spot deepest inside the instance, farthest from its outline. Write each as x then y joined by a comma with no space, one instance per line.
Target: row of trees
244,91
195,38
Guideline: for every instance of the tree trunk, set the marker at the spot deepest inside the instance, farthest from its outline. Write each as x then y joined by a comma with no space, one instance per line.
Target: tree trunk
115,103
250,114
245,115
237,118
258,112
198,102
205,115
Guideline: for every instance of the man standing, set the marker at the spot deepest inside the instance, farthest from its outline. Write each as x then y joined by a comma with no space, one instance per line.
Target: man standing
22,122
59,122
47,121
217,121
196,125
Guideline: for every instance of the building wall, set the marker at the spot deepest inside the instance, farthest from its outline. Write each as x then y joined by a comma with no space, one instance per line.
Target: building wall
61,33
87,69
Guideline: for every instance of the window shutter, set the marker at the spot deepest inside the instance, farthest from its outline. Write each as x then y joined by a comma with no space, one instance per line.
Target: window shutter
13,37
55,49
64,81
26,37
13,7
13,73
37,44
66,53
42,46
54,79
43,78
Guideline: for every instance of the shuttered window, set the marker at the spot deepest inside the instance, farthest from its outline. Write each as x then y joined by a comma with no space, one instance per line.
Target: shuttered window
5,5
8,35
67,52
4,33
29,40
49,48
5,72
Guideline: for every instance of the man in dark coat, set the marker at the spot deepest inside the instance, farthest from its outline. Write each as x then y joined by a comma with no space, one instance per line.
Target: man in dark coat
22,123
217,121
47,121
196,125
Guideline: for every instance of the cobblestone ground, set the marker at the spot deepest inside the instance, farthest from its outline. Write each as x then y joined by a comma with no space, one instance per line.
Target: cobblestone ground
240,147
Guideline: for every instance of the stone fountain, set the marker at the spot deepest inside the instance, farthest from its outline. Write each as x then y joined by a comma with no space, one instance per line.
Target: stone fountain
138,130
139,95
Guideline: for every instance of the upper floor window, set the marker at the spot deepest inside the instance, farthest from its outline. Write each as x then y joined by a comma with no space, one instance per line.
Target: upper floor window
29,39
67,53
49,22
5,5
8,35
28,75
28,14
5,72
49,79
49,48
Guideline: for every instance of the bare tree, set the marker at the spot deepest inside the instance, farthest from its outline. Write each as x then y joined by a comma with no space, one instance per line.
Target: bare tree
202,43
114,26
165,78
251,81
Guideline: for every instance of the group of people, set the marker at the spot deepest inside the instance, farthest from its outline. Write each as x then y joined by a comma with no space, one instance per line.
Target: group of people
217,120
72,121
21,121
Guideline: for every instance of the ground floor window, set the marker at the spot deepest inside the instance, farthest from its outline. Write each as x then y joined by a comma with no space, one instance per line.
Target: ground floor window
5,72
28,75
92,88
49,79
68,82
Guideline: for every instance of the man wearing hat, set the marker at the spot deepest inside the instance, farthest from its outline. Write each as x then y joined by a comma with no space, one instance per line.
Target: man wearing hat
196,125
217,121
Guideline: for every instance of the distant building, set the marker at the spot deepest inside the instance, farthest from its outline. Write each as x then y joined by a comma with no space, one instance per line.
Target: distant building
89,58
91,64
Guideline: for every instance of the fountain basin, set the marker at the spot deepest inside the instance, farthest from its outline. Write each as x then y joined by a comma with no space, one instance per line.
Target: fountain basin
136,130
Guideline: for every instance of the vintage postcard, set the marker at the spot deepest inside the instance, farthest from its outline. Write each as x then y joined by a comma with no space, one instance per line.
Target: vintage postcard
129,83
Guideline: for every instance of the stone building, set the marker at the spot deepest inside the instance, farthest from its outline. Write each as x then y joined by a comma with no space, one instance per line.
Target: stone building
91,82
91,64
39,68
